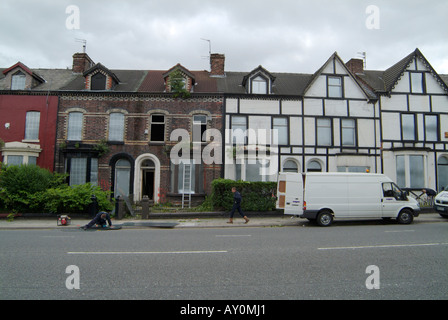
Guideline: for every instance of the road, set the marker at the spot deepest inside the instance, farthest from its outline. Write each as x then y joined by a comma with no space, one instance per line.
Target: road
309,262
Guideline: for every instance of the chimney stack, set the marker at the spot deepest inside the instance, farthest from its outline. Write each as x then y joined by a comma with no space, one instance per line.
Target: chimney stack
217,65
356,66
81,62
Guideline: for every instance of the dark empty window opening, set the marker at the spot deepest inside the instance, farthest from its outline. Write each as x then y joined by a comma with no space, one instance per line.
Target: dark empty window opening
157,128
98,82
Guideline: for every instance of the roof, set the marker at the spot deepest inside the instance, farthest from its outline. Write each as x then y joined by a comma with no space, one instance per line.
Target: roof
155,82
384,81
55,79
285,83
130,80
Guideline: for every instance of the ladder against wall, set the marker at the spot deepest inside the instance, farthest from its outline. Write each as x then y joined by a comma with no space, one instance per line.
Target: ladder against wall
186,184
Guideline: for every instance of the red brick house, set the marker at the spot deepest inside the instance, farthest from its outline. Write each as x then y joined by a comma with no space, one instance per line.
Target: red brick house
28,113
114,129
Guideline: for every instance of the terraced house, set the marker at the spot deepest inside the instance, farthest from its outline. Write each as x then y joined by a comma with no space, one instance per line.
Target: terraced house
413,104
115,126
326,121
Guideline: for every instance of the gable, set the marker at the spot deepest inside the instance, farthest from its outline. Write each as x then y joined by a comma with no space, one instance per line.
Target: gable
418,77
400,76
20,77
334,80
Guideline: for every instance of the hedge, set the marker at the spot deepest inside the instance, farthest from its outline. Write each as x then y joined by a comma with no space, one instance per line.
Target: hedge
257,196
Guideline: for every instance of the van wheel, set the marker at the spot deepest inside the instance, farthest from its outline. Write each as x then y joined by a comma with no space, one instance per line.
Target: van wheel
324,219
405,217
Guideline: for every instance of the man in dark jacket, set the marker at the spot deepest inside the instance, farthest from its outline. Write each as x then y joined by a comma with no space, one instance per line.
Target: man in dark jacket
100,219
237,206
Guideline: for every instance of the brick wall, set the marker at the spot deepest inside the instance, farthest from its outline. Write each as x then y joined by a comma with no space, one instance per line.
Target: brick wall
178,114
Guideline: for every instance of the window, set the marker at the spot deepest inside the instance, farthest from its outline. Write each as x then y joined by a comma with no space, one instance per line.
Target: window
431,128
290,166
157,128
442,172
78,171
74,131
417,82
32,125
239,127
98,82
348,132
187,177
410,171
14,160
255,170
314,166
361,169
323,132
116,126
82,170
259,85
281,125
122,177
335,87
199,127
408,126
18,81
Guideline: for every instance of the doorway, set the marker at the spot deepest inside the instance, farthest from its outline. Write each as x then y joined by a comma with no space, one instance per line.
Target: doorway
148,178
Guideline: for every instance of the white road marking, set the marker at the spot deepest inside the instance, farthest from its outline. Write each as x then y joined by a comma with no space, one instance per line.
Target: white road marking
386,246
144,252
399,231
232,235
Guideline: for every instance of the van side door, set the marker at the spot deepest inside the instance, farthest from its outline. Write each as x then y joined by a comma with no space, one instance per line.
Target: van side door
391,202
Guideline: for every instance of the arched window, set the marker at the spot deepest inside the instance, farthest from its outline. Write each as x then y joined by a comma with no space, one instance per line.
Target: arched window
314,166
290,166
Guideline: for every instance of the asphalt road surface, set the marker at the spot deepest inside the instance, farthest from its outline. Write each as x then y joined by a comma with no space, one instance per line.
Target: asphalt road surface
345,261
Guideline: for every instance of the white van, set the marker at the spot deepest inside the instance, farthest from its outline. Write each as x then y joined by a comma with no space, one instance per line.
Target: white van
322,197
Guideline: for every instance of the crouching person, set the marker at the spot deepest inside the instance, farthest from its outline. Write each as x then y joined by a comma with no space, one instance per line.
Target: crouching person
100,219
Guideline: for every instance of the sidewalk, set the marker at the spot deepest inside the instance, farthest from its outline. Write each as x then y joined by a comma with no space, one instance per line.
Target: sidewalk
193,221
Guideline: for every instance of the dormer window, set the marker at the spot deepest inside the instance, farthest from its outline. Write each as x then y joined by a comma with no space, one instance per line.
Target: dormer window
258,81
259,86
18,81
20,77
100,78
98,81
179,80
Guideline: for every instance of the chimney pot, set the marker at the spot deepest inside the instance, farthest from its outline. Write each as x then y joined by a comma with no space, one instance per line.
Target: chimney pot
217,61
356,66
81,62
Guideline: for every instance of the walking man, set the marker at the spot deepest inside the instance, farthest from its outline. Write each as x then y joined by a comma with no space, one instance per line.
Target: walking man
237,206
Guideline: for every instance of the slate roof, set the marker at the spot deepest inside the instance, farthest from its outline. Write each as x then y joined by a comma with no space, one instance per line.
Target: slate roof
54,79
284,84
384,81
130,81
154,82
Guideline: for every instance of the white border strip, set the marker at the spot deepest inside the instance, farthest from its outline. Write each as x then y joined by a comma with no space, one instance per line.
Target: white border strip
143,252
386,246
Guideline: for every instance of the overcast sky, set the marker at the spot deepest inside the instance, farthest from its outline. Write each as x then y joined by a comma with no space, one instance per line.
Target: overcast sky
282,36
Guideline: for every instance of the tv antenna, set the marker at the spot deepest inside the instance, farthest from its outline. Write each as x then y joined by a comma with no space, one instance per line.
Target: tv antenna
84,44
364,58
209,47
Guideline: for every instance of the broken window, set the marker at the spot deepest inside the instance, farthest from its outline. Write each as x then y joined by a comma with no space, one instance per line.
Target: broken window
157,128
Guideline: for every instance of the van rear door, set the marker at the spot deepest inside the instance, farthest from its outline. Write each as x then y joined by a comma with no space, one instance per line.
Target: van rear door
290,193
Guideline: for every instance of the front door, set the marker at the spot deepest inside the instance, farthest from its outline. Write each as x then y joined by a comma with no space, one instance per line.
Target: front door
148,178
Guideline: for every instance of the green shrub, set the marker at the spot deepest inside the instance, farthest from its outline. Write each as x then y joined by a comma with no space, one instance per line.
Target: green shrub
29,188
72,199
257,196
